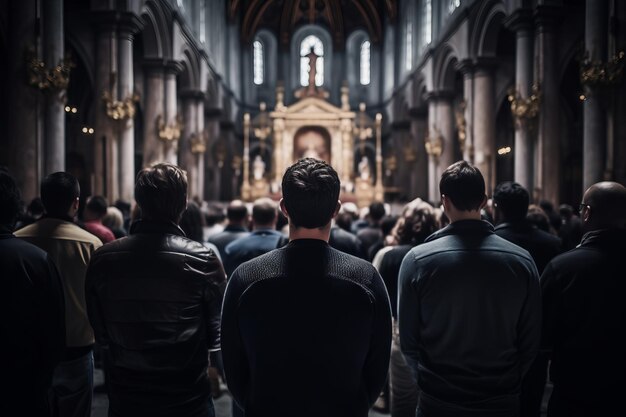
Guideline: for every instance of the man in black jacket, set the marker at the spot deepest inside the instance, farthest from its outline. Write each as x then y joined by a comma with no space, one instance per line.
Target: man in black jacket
469,309
510,204
584,311
33,315
154,299
237,227
306,329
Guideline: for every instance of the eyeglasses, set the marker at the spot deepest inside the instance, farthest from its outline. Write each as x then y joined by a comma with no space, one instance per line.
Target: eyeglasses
582,206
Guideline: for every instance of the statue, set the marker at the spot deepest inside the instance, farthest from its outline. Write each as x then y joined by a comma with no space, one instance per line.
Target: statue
258,168
364,168
312,69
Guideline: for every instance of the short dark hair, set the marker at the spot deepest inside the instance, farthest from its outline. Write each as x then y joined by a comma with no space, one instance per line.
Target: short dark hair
376,211
236,211
264,211
310,193
464,185
97,205
58,192
161,192
512,200
10,199
192,222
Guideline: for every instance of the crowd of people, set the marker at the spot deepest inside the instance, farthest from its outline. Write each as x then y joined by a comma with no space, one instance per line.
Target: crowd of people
311,307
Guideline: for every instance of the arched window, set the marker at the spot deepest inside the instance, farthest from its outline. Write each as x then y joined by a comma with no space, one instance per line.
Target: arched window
427,22
364,75
309,42
257,52
408,62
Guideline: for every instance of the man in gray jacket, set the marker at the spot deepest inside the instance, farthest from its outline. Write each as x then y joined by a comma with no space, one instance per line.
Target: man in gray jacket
469,309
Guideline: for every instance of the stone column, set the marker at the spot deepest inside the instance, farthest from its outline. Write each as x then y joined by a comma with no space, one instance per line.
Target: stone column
126,88
187,160
445,124
212,189
113,140
153,108
54,114
418,168
549,169
433,160
23,152
171,149
200,157
594,112
484,123
103,127
467,69
521,22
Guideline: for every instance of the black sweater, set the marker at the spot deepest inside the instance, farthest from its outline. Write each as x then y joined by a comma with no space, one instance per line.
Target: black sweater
306,331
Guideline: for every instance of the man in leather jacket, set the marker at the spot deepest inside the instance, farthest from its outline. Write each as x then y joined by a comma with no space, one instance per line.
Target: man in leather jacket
469,309
154,300
584,311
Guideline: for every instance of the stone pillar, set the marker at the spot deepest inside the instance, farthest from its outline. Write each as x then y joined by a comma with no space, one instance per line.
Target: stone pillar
549,167
126,88
445,124
418,167
23,151
113,141
200,157
54,114
433,160
103,127
153,108
523,150
187,159
212,188
484,123
171,149
594,112
467,69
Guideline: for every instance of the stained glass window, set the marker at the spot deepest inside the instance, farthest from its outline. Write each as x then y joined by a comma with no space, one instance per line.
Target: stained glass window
257,51
364,75
427,22
309,42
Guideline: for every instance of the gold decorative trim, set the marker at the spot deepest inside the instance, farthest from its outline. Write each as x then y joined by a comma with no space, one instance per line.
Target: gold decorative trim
44,78
525,108
598,73
120,110
169,133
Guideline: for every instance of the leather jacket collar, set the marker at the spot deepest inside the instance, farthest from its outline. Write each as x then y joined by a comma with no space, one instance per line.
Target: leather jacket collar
609,238
463,227
157,227
523,226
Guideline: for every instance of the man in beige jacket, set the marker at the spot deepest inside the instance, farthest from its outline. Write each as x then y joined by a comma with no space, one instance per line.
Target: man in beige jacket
71,248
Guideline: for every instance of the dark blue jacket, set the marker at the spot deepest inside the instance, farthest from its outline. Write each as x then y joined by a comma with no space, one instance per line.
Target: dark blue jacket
245,248
470,320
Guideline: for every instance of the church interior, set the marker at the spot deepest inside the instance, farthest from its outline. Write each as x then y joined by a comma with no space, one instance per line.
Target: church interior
527,90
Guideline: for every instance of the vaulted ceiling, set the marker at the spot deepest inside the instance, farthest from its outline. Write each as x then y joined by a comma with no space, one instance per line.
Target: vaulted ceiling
284,16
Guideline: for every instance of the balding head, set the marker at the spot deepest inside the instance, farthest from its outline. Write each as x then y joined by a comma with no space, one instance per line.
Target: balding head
237,212
264,213
606,206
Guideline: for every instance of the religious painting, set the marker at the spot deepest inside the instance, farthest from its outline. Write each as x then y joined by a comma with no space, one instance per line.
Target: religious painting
312,142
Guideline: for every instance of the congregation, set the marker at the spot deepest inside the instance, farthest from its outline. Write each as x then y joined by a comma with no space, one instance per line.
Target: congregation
464,306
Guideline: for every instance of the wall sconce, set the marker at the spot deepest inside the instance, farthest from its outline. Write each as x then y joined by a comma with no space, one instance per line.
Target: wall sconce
198,143
44,78
171,132
434,146
120,109
598,73
525,109
504,150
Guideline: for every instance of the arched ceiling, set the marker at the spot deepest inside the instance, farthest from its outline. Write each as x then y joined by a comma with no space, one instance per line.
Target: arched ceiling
284,16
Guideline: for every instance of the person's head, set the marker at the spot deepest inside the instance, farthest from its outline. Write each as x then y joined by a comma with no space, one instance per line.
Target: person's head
60,192
418,221
192,222
604,206
35,208
566,211
237,213
462,189
113,219
510,202
376,212
161,192
344,221
214,214
96,208
310,194
264,213
537,217
10,200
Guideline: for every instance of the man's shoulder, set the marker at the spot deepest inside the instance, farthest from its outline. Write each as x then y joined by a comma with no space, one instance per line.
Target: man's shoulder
20,248
58,229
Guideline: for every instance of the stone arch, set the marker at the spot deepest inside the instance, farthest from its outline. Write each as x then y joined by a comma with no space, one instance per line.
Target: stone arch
485,28
157,33
445,69
190,75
